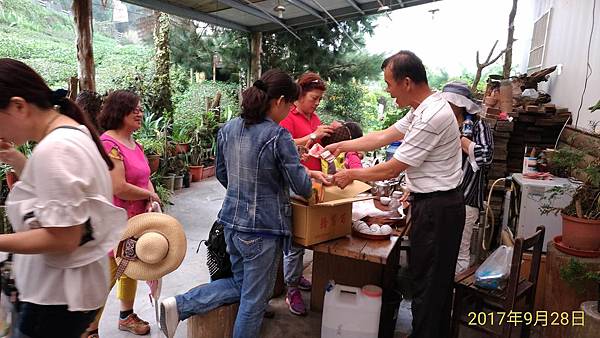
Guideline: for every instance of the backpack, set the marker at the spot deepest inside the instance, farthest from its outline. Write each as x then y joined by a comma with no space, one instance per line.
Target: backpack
217,258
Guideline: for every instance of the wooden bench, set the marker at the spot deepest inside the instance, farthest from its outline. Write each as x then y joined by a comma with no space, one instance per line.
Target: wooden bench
217,323
356,262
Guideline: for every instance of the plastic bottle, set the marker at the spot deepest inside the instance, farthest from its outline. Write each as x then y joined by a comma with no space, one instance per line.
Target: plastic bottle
467,127
391,149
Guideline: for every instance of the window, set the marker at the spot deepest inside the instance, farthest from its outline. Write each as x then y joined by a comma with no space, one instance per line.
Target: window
538,43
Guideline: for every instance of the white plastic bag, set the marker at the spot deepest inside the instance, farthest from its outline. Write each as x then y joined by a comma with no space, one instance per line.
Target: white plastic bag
494,272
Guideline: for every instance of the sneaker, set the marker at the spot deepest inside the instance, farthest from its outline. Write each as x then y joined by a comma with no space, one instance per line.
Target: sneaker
134,325
304,284
169,317
295,302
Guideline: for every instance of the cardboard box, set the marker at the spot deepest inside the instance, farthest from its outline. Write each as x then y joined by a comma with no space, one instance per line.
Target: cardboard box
332,218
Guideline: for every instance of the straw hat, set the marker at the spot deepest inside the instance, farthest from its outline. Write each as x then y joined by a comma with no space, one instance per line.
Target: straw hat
152,245
459,94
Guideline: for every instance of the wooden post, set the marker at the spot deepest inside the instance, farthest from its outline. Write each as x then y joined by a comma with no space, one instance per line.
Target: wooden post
73,87
82,11
255,51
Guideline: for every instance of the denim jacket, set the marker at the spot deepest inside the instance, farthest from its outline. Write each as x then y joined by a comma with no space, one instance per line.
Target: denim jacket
258,164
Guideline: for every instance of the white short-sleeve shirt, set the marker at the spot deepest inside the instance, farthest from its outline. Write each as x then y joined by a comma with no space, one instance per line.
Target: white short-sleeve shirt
431,146
66,182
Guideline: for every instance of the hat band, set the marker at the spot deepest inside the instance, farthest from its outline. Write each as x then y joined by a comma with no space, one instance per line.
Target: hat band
127,247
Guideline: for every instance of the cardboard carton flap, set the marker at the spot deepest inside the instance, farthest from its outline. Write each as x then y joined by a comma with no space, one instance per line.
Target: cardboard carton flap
344,201
333,193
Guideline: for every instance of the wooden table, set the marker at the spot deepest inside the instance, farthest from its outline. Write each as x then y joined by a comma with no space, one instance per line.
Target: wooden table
356,262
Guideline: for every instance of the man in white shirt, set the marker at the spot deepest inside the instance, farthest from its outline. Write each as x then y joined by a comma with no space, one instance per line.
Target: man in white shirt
431,156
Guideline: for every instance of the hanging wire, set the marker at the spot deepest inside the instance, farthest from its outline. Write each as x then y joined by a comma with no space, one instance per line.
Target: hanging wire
336,22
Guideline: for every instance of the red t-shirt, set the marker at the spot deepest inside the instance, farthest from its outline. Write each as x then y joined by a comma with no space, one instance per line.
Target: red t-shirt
299,126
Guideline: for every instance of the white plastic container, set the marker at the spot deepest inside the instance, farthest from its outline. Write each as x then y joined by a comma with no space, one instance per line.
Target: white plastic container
350,312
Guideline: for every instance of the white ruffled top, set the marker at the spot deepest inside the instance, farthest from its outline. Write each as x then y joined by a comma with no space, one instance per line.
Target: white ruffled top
65,183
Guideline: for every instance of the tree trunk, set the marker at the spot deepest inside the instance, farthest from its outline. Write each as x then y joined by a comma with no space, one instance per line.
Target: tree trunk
509,41
162,83
255,50
82,11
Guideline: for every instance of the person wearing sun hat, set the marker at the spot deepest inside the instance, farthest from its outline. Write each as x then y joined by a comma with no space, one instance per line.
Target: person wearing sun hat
478,152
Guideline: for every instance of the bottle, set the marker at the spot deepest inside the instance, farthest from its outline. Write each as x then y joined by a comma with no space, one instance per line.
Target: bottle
467,127
391,149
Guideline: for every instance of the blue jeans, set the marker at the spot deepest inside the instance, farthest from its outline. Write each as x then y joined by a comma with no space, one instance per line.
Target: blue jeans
254,260
293,265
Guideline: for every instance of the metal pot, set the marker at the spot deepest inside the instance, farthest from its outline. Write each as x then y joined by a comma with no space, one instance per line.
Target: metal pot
382,189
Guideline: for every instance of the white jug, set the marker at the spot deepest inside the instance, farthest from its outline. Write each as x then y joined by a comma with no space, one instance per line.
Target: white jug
350,312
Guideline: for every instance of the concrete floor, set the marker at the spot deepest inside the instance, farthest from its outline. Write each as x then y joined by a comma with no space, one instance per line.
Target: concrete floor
196,208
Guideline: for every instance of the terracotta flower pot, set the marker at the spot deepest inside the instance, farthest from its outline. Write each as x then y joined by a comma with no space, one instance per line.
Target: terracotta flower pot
580,233
208,171
196,171
182,148
153,162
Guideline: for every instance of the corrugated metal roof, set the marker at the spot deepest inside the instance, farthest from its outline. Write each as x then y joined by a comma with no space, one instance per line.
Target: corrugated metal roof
259,16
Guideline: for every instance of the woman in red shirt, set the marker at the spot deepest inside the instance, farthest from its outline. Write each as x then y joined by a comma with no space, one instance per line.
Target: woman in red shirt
302,121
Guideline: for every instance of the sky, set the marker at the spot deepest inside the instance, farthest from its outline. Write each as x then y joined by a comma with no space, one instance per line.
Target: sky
449,38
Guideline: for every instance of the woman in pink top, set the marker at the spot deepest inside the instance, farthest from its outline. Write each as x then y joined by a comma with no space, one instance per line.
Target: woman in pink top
121,116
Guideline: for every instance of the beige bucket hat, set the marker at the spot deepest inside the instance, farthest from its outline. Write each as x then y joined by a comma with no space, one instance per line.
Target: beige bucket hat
152,245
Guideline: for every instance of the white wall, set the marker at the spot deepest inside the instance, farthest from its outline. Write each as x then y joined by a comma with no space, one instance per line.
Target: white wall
567,44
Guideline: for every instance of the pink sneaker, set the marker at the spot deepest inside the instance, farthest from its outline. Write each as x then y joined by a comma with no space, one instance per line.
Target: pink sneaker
295,302
304,284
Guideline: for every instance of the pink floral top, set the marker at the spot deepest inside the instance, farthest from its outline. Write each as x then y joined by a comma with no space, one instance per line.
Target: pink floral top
137,171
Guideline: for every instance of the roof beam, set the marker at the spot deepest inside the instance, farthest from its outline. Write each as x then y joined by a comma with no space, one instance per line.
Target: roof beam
341,14
247,9
355,5
307,8
189,13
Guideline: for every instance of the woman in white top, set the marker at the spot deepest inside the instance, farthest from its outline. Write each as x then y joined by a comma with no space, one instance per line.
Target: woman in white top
60,209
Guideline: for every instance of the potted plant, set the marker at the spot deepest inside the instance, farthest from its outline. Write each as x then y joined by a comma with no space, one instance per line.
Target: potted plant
577,276
195,158
581,218
154,149
562,162
209,145
181,139
151,137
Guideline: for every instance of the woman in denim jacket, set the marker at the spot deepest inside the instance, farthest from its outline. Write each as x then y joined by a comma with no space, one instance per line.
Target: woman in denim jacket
258,164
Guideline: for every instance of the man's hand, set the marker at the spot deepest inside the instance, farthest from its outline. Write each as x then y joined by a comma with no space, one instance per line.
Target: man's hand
319,176
336,148
343,178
